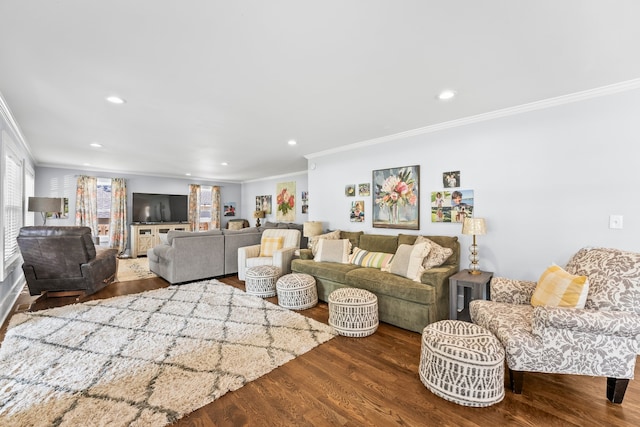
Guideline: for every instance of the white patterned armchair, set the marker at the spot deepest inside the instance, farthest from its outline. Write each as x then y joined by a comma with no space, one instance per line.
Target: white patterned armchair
249,256
599,340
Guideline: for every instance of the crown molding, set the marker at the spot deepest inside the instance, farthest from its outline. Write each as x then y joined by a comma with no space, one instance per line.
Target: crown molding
524,108
287,175
6,114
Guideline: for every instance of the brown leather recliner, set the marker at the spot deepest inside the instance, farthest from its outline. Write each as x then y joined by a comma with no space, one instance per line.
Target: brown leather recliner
64,259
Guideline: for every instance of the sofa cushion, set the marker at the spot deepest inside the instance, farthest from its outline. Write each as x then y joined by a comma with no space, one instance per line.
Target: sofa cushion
407,261
383,283
172,234
313,241
450,242
235,225
333,271
557,288
379,243
613,278
333,251
364,258
437,255
353,236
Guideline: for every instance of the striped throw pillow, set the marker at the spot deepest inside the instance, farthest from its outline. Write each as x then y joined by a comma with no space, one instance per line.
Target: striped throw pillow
365,258
557,288
268,245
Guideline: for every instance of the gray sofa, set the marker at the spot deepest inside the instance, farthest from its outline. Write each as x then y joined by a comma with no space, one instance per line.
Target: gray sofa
188,256
401,302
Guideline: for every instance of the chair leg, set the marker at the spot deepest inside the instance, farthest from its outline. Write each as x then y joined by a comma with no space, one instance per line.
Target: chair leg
515,381
616,388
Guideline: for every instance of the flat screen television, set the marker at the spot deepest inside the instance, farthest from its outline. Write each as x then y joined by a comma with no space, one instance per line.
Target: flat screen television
148,208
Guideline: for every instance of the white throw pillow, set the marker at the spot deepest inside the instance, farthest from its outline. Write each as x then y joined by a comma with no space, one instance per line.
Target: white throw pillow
407,261
313,241
329,250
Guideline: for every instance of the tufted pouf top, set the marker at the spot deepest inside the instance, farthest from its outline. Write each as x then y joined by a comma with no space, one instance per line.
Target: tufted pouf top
462,362
263,271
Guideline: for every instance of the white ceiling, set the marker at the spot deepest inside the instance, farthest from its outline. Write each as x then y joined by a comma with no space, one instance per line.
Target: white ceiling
212,81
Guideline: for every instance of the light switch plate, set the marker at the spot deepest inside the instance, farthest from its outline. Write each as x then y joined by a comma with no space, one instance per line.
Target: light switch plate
615,221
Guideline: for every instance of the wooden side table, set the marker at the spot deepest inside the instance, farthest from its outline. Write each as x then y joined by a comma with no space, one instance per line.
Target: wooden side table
473,286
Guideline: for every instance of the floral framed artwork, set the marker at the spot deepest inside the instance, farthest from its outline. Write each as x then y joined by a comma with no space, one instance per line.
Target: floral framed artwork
285,199
396,198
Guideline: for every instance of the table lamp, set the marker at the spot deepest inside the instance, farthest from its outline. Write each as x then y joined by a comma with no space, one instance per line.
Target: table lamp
44,205
475,227
311,229
257,215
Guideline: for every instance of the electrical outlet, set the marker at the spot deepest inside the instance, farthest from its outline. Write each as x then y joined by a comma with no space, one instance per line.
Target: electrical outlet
615,221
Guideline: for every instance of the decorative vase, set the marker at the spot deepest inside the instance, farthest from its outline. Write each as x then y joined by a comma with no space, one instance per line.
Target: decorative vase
393,214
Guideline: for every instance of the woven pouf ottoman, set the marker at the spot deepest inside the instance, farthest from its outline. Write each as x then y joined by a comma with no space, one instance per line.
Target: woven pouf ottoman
463,363
297,291
261,280
353,312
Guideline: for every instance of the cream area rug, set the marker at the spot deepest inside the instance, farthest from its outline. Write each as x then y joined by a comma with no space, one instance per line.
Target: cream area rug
133,269
145,359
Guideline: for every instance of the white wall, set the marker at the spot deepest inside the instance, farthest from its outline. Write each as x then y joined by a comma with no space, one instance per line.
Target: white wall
546,181
267,187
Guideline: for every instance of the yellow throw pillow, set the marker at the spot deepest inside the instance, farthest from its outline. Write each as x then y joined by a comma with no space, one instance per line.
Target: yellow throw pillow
269,245
557,288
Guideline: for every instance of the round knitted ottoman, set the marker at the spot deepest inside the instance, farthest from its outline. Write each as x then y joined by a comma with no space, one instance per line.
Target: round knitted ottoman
462,362
297,291
261,280
353,312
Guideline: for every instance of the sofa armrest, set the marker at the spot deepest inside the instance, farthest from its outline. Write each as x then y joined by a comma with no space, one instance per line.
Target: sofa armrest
438,278
163,251
101,269
282,259
244,253
306,254
597,322
512,291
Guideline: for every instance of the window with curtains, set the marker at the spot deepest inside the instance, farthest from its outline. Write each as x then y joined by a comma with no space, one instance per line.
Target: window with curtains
206,203
103,194
12,197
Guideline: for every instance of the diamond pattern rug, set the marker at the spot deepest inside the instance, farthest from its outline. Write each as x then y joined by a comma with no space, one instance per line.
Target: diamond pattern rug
145,359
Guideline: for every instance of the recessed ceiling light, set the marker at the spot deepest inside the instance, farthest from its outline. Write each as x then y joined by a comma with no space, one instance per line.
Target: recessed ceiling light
86,164
292,142
224,163
96,145
115,99
188,174
446,95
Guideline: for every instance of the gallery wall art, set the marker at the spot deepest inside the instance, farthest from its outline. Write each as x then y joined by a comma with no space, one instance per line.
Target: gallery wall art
263,203
396,198
285,201
451,205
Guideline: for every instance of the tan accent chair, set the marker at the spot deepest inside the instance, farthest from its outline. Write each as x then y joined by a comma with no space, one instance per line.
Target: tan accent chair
64,261
249,256
599,340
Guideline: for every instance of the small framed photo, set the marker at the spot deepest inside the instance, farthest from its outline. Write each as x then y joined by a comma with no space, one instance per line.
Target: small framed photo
451,179
364,189
350,190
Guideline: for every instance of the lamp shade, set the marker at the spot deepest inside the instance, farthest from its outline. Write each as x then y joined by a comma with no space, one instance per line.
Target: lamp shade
258,214
475,226
312,228
45,204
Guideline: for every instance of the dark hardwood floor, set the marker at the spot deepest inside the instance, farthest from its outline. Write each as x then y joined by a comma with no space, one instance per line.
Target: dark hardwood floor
374,381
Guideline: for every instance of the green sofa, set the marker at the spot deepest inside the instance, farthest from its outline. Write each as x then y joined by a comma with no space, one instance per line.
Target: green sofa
401,302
